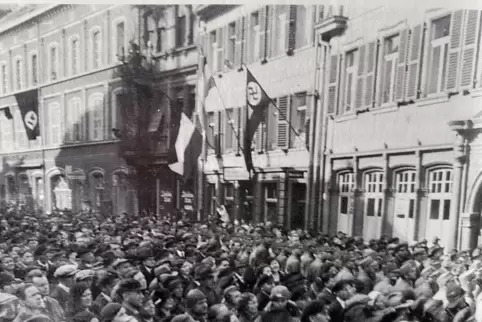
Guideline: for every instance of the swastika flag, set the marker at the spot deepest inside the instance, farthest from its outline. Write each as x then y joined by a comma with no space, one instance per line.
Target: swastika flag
28,104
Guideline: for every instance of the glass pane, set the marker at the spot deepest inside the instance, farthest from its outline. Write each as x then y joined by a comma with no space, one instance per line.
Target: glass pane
344,205
391,44
380,209
411,208
448,174
348,90
371,207
434,208
444,67
446,215
441,27
434,71
387,81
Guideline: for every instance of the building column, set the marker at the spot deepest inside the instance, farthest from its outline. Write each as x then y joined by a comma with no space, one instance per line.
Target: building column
258,199
283,197
237,201
469,225
188,35
387,218
459,159
357,224
419,221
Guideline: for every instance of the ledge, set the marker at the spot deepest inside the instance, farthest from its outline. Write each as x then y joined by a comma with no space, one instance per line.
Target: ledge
435,99
476,92
388,108
345,117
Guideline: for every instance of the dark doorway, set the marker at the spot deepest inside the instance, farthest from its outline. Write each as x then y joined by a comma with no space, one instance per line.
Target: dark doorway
298,204
246,202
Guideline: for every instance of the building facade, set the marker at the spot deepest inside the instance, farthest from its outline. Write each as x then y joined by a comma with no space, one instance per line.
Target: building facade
70,54
276,43
403,133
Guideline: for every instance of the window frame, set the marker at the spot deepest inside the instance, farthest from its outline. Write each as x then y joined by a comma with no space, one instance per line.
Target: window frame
374,189
409,188
19,135
255,32
53,69
115,24
51,106
71,55
231,46
18,78
91,112
346,189
6,123
70,122
350,70
441,196
92,63
4,77
31,74
393,57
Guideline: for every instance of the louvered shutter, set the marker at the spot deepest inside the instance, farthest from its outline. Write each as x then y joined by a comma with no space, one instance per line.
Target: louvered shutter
360,77
370,74
219,49
454,51
227,130
291,35
217,132
271,127
234,137
237,53
469,49
262,33
307,130
244,48
242,125
413,63
282,123
268,33
332,84
401,67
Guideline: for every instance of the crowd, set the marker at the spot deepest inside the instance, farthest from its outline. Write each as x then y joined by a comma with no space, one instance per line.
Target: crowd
66,267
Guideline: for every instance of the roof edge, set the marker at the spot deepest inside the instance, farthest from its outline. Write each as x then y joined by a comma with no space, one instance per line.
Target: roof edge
23,19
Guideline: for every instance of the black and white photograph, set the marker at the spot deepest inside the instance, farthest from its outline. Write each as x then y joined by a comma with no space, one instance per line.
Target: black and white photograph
241,161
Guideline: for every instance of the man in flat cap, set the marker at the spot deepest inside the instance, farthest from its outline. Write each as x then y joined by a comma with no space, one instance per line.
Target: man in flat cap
65,275
131,297
204,275
197,305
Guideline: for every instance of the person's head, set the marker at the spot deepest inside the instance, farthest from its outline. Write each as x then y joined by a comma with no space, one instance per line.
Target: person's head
247,304
7,283
40,281
315,311
196,302
223,265
107,283
279,297
8,307
344,289
274,266
65,274
186,268
85,316
7,263
130,292
408,271
114,312
231,295
148,308
31,296
163,300
122,267
81,296
266,270
27,258
266,283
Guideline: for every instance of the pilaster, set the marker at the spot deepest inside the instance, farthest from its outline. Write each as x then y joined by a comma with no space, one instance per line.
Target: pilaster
258,199
237,200
188,35
283,197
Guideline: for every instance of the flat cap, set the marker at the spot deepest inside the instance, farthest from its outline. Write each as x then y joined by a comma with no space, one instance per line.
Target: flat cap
65,270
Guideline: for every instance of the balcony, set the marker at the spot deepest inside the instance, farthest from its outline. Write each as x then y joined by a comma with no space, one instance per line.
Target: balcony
331,22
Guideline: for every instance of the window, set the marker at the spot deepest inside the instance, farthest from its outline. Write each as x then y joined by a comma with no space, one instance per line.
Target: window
374,194
151,34
390,60
6,132
302,22
437,63
298,120
440,193
21,141
54,64
346,185
75,58
405,182
231,50
228,132
55,124
120,38
255,36
4,79
73,120
33,62
181,31
405,196
96,49
279,37
271,201
96,186
350,77
229,191
18,74
96,117
210,131
213,37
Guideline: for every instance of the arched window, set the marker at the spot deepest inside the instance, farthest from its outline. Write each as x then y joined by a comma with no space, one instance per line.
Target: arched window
24,188
439,186
55,118
373,204
18,72
96,117
96,48
405,196
73,120
96,187
346,186
74,53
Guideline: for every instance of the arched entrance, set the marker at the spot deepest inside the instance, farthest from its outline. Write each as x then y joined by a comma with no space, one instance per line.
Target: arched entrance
473,210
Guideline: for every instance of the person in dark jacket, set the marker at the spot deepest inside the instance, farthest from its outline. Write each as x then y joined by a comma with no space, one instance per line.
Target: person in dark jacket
280,308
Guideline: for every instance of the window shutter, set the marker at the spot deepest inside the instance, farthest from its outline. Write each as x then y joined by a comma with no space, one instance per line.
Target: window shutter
271,127
239,40
401,67
307,131
258,139
217,132
269,24
282,122
262,33
220,49
235,129
469,49
291,34
413,63
454,50
244,24
333,84
370,74
242,125
360,77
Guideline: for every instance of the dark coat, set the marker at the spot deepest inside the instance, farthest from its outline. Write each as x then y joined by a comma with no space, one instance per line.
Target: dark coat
61,295
99,303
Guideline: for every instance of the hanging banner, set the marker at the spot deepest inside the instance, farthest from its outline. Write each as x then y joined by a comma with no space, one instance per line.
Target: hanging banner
187,201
